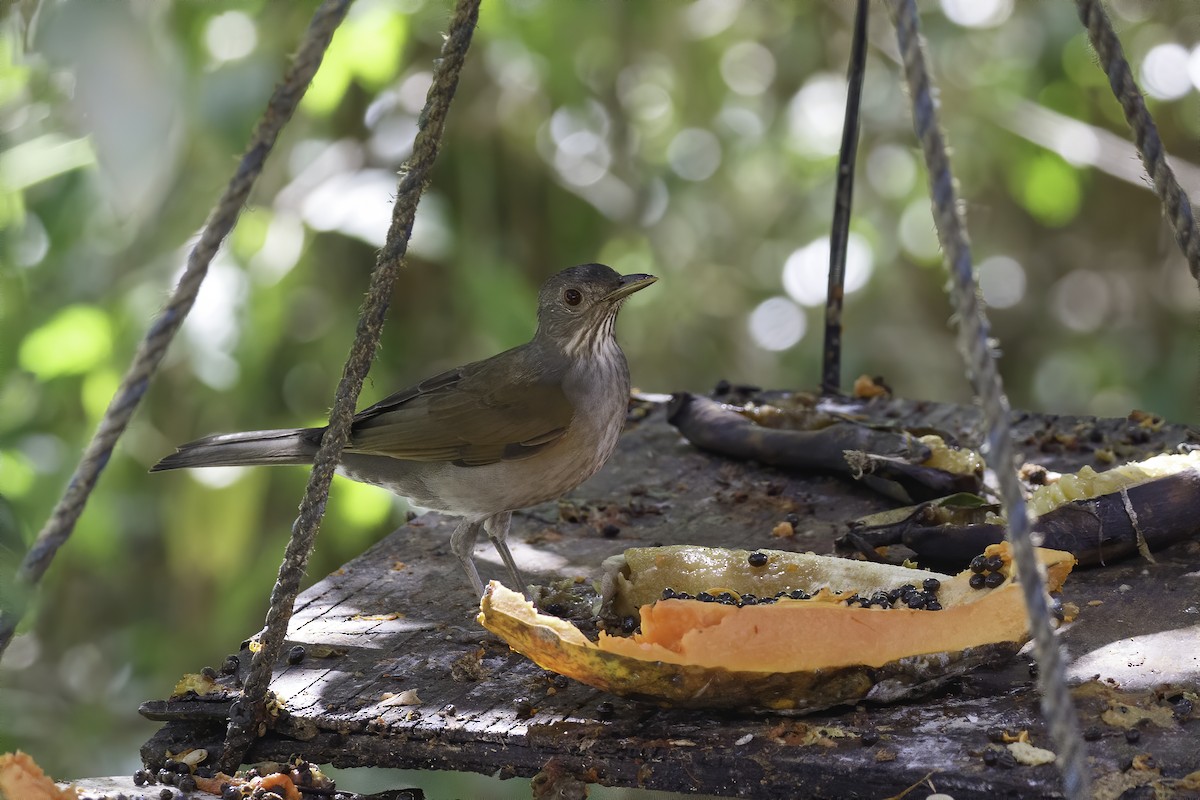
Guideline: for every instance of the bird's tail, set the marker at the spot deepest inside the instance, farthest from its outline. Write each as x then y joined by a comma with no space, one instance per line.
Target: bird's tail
252,448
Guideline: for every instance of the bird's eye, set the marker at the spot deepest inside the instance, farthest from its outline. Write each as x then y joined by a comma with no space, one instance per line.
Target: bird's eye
573,297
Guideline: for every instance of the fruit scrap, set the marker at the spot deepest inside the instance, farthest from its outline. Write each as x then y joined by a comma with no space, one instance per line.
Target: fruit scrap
22,779
197,683
1097,516
866,387
1026,753
286,780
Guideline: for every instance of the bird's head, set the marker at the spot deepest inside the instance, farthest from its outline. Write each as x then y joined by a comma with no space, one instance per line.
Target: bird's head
577,307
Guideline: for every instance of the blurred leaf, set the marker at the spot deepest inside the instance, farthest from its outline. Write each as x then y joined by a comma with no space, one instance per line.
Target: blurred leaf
97,391
368,47
1049,189
43,158
73,341
251,232
13,76
360,506
12,550
16,473
212,530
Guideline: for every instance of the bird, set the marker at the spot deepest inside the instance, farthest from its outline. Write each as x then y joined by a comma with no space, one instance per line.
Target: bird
483,440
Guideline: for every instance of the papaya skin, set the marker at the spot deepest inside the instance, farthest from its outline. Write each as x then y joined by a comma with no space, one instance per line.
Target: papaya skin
558,646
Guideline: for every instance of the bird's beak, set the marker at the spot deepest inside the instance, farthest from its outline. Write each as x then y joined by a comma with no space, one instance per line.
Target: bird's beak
629,285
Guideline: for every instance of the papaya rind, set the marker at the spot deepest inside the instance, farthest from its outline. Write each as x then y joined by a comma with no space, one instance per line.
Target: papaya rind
558,646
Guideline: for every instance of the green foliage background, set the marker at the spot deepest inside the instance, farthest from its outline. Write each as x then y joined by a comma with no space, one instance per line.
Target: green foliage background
582,131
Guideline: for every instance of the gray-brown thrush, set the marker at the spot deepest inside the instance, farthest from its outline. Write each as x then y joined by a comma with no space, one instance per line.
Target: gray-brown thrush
488,438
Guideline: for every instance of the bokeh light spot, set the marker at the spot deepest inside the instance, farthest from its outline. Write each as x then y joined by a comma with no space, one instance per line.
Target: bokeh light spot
582,158
918,237
1165,72
777,324
977,13
1065,382
230,36
705,18
217,477
748,68
1082,300
1002,280
694,154
891,170
815,115
806,271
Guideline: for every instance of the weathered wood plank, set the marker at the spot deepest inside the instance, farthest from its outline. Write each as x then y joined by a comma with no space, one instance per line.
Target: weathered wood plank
399,618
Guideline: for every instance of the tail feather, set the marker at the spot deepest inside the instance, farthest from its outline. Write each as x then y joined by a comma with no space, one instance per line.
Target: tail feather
252,448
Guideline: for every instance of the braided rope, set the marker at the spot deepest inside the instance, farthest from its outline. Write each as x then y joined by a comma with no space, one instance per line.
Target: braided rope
280,108
1120,77
974,342
249,712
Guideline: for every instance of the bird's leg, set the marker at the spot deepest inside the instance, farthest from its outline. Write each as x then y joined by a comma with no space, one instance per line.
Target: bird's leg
462,544
497,530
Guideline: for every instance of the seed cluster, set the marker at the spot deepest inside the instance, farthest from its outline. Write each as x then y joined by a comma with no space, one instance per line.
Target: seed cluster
172,774
987,574
906,596
177,780
731,599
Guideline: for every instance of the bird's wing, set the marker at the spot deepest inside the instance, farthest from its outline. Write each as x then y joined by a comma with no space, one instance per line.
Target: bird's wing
474,415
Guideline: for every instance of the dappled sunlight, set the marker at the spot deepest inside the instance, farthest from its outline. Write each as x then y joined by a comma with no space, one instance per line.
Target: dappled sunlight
529,557
350,626
1143,662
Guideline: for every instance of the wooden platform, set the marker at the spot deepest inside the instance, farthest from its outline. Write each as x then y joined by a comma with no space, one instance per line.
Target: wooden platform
400,618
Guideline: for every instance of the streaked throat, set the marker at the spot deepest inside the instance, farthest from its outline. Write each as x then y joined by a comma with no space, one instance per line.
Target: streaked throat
594,341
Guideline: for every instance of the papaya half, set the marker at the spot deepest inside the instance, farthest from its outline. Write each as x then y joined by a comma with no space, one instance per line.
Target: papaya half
780,630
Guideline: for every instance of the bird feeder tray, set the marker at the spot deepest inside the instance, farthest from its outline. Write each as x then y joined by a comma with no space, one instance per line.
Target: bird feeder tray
393,670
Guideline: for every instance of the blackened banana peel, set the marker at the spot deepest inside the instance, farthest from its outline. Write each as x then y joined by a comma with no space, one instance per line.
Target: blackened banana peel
1097,517
892,462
